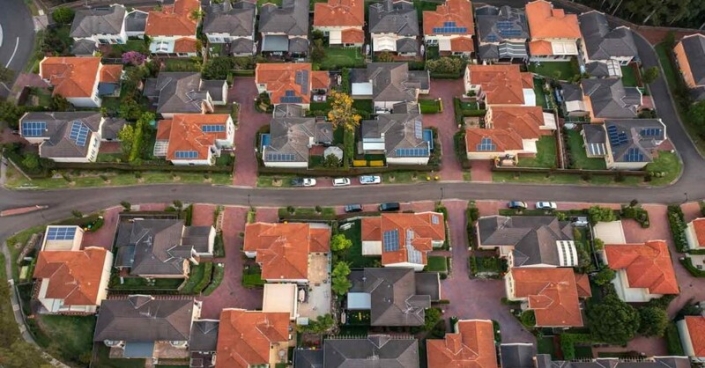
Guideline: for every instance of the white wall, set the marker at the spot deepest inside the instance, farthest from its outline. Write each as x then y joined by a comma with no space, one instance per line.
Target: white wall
93,101
302,165
417,267
691,237
407,160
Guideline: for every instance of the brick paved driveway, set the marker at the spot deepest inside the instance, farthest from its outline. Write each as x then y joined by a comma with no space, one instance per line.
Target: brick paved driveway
106,234
446,89
203,214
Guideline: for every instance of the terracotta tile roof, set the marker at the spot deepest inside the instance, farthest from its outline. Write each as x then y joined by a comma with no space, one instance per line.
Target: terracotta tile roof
527,80
110,73
647,265
472,346
458,11
185,133
371,228
173,20
281,77
74,276
462,44
246,338
526,121
321,80
540,48
420,230
547,22
283,249
71,76
582,281
501,84
696,330
684,65
699,227
353,35
552,294
339,13
186,45
505,140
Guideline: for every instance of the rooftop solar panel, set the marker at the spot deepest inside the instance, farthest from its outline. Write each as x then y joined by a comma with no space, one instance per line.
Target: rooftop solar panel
212,128
34,128
61,233
390,240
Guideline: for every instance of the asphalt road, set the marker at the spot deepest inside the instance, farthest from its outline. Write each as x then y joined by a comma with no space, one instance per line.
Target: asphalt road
17,37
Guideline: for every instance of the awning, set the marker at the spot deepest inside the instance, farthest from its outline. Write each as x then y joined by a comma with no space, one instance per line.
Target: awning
596,149
385,44
358,301
139,349
335,37
510,50
275,44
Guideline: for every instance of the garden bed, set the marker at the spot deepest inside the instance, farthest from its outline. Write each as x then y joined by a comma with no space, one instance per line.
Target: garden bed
252,277
487,267
437,264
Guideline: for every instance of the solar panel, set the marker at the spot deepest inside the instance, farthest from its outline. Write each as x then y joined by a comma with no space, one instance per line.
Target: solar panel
291,99
301,78
418,131
435,220
34,128
61,233
450,30
390,240
212,128
414,255
280,157
186,154
79,133
486,145
412,152
634,155
491,38
651,132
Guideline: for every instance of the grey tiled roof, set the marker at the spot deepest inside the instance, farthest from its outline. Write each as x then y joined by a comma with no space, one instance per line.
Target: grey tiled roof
602,43
407,45
304,358
214,88
571,92
488,52
517,355
610,99
58,132
198,237
291,19
178,92
242,46
394,81
291,135
84,48
235,20
644,143
399,18
288,111
111,127
694,47
594,133
698,93
397,128
204,335
597,69
298,45
106,21
544,361
514,24
371,352
136,21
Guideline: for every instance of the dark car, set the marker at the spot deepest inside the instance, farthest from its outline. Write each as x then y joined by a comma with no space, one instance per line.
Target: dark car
389,207
353,208
517,205
303,182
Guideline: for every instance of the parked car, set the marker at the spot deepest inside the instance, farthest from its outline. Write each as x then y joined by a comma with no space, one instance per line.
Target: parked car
546,205
389,207
353,208
303,182
579,221
517,205
341,182
370,179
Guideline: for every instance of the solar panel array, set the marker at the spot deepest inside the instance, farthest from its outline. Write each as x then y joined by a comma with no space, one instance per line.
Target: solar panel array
616,138
301,78
435,220
61,233
634,155
414,255
79,133
33,128
491,38
212,128
450,27
412,152
280,157
507,29
486,145
186,154
650,132
418,130
390,240
291,97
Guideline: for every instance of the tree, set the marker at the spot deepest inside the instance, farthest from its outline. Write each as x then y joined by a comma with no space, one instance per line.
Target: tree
445,65
340,283
133,58
126,135
650,75
319,325
318,52
344,115
696,115
599,244
653,321
604,276
601,214
339,243
6,74
77,213
196,14
59,103
633,203
331,161
612,321
178,204
21,354
431,318
129,109
63,15
584,259
218,68
31,161
126,205
385,57
10,113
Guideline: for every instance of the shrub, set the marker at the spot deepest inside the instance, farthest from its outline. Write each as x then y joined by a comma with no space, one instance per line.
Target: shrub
359,163
676,222
63,15
376,163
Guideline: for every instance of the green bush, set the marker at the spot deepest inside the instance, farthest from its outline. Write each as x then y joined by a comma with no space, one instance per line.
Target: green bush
568,341
528,319
676,221
673,340
199,279
218,245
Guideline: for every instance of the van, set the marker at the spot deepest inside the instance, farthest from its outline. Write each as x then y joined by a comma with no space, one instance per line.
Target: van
389,207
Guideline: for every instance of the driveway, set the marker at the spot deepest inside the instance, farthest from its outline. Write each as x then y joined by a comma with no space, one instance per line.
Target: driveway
105,236
446,89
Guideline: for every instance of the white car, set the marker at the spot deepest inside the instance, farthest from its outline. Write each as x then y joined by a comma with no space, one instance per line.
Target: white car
546,205
303,182
341,182
370,179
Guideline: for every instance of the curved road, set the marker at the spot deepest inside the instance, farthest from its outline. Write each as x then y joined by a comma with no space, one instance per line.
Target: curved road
17,37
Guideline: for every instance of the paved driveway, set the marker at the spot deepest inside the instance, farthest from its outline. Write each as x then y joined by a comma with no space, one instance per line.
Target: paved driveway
446,89
106,234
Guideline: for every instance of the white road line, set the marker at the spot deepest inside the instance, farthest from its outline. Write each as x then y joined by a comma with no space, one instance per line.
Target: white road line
17,43
0,35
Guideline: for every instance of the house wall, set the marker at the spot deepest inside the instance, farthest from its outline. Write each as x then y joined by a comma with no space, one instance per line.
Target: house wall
251,254
625,165
686,341
331,31
217,37
381,38
105,278
92,101
294,281
417,267
629,294
206,162
139,34
385,105
509,287
691,237
407,160
491,155
171,39
301,165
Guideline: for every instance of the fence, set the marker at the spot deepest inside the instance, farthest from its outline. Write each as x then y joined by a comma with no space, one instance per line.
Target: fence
142,167
540,170
325,172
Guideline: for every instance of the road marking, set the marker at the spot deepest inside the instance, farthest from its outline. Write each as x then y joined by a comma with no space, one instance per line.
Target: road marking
17,43
0,36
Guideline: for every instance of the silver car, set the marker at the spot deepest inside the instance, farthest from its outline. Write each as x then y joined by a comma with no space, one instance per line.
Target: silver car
370,179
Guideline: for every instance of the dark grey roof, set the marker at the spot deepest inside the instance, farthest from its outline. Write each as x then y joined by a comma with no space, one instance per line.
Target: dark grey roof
291,19
488,52
214,88
610,99
398,17
594,133
111,127
602,43
393,297
288,111
275,43
407,45
694,47
136,21
533,237
428,283
513,24
373,352
544,361
235,20
400,130
642,135
138,349
517,355
98,21
179,92
571,92
84,48
291,135
204,335
394,81
242,46
597,69
304,358
698,93
59,142
141,318
198,237
298,45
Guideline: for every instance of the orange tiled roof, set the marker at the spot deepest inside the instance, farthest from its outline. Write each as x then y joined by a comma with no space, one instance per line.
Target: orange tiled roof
684,63
71,76
524,120
501,84
339,13
504,139
184,133
462,44
699,227
647,265
353,35
472,346
281,77
458,11
418,229
696,330
173,20
110,73
283,249
547,22
246,338
73,276
540,47
527,80
321,80
582,281
186,45
552,294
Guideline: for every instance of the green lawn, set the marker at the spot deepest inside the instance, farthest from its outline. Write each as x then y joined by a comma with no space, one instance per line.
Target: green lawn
404,177
562,70
103,359
667,163
437,264
538,91
545,346
354,255
138,283
546,155
180,65
668,69
579,156
199,278
583,352
430,106
218,275
274,181
507,177
629,77
252,277
342,57
71,336
275,2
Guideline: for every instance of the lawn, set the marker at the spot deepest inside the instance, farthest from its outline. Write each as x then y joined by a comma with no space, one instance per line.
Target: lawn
538,91
199,278
563,70
579,156
354,255
218,275
629,76
140,284
583,352
437,264
668,70
180,65
430,106
342,57
487,266
508,177
404,177
546,155
668,163
545,346
70,336
252,277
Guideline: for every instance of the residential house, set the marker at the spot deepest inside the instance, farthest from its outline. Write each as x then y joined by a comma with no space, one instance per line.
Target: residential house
66,238
394,27
695,233
517,355
450,27
79,79
111,128
161,248
374,350
72,281
552,293
529,241
692,335
575,103
471,344
308,358
554,34
342,21
66,136
644,271
203,342
403,239
136,23
232,24
502,33
184,93
290,83
690,57
605,50
282,298
607,98
142,326
287,252
502,84
388,84
194,139
628,144
172,29
284,30
394,296
252,339
399,136
95,26
545,361
291,136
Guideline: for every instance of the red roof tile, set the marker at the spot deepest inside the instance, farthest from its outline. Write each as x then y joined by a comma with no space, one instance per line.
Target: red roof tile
696,331
173,20
185,133
281,78
110,73
501,84
647,265
73,276
503,139
321,80
526,121
552,294
353,35
458,11
418,229
339,13
71,76
462,44
472,346
186,45
246,338
548,22
699,227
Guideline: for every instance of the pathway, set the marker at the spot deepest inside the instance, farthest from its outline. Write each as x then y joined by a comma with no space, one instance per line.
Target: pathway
244,92
446,89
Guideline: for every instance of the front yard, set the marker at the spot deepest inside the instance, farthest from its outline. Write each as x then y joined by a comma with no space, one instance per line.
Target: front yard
629,77
487,267
545,156
666,167
70,336
578,156
437,264
342,57
562,70
252,277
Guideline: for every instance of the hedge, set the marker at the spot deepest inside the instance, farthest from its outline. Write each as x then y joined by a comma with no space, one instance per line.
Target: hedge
568,341
687,262
219,245
673,340
119,166
638,214
200,278
446,75
676,221
354,171
461,150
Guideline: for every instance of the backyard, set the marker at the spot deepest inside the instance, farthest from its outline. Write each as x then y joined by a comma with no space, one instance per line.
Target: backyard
354,255
545,155
252,277
70,336
437,264
629,76
562,70
666,164
578,156
540,94
342,57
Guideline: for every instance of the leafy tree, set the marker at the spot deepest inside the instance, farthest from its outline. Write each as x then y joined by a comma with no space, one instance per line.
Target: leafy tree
21,354
218,68
133,58
528,318
613,321
318,52
650,75
77,213
340,283
385,57
6,74
445,65
320,325
696,115
584,259
126,205
653,321
63,15
126,135
31,161
178,204
331,161
10,113
59,103
343,114
57,40
604,276
431,318
599,244
197,14
339,243
129,109
601,214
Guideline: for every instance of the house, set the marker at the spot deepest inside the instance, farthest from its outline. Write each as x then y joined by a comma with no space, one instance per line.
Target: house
605,50
194,139
554,34
342,21
394,27
695,233
502,33
371,351
284,30
690,57
509,131
394,296
644,271
607,98
403,239
172,29
450,27
287,252
388,84
281,298
111,128
136,23
552,293
66,238
252,338
529,241
517,355
471,344
290,83
203,342
72,281
628,144
79,79
233,24
291,136
98,26
399,136
66,136
545,361
692,335
184,93
503,84
142,326
575,103
161,248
